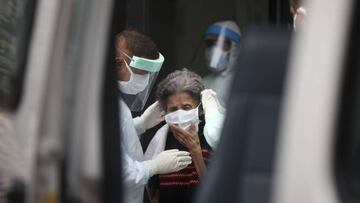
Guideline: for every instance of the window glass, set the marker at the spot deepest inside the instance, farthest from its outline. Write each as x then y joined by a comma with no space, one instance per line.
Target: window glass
347,143
15,30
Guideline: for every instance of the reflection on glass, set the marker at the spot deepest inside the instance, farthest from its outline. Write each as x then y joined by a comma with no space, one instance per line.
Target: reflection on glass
15,21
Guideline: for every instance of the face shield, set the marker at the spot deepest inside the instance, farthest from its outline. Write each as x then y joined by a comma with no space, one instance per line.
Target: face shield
143,74
220,42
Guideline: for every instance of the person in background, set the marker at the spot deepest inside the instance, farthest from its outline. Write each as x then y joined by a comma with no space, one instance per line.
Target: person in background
222,41
222,48
181,96
138,63
298,12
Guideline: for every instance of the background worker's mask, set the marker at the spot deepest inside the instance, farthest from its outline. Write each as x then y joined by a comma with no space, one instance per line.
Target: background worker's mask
184,118
216,58
136,84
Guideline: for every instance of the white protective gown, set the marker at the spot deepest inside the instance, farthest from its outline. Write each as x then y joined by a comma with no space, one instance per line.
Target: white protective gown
215,119
135,172
221,84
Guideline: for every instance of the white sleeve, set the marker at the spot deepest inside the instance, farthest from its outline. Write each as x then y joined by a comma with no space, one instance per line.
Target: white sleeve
139,125
135,173
213,126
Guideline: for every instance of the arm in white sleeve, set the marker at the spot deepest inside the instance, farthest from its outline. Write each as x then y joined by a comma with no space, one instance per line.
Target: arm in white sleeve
135,173
214,117
151,117
139,125
213,126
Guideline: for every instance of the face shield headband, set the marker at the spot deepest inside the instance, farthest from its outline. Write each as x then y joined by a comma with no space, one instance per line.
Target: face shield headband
226,32
150,65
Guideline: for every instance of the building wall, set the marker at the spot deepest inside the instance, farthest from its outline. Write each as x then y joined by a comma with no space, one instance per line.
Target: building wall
177,26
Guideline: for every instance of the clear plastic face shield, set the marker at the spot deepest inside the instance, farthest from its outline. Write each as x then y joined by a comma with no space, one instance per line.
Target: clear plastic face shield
219,45
142,73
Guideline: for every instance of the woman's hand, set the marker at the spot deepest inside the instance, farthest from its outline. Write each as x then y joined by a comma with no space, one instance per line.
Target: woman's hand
189,139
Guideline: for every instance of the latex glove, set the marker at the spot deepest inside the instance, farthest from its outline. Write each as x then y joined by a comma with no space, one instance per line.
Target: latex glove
210,101
214,117
152,116
299,18
169,161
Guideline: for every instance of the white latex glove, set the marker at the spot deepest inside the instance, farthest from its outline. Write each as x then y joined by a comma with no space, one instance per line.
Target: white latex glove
152,116
214,117
169,161
299,18
210,101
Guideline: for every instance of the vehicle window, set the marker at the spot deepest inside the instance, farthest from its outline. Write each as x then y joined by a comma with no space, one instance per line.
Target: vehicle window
347,143
15,29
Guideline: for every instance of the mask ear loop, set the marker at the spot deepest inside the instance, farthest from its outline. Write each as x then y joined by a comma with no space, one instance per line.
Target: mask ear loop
125,54
200,109
129,69
126,64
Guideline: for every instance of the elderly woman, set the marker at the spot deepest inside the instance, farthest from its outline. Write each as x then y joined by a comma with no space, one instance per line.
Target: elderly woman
180,95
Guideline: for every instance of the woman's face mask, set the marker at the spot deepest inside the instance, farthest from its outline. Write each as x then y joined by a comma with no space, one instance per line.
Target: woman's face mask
184,118
136,84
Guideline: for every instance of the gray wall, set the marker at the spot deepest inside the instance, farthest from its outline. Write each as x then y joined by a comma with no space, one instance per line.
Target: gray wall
177,26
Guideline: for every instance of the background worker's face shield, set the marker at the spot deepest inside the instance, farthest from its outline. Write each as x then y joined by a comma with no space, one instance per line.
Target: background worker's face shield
221,42
142,74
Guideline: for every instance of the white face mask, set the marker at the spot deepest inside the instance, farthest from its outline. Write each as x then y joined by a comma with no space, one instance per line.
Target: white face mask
217,58
184,118
136,84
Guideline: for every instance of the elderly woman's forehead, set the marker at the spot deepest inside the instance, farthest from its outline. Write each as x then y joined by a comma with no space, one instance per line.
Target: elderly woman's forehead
182,96
185,93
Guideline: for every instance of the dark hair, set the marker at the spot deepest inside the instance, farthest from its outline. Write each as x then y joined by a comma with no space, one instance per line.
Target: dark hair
139,44
177,81
295,3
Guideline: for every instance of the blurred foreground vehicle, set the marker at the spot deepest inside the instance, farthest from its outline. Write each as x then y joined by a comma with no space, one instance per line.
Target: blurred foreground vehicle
292,133
59,98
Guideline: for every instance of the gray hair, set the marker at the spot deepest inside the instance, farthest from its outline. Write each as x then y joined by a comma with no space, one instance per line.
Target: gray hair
178,81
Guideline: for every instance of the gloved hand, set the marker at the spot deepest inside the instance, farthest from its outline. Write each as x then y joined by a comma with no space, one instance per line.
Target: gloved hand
152,116
214,117
210,101
169,161
299,18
